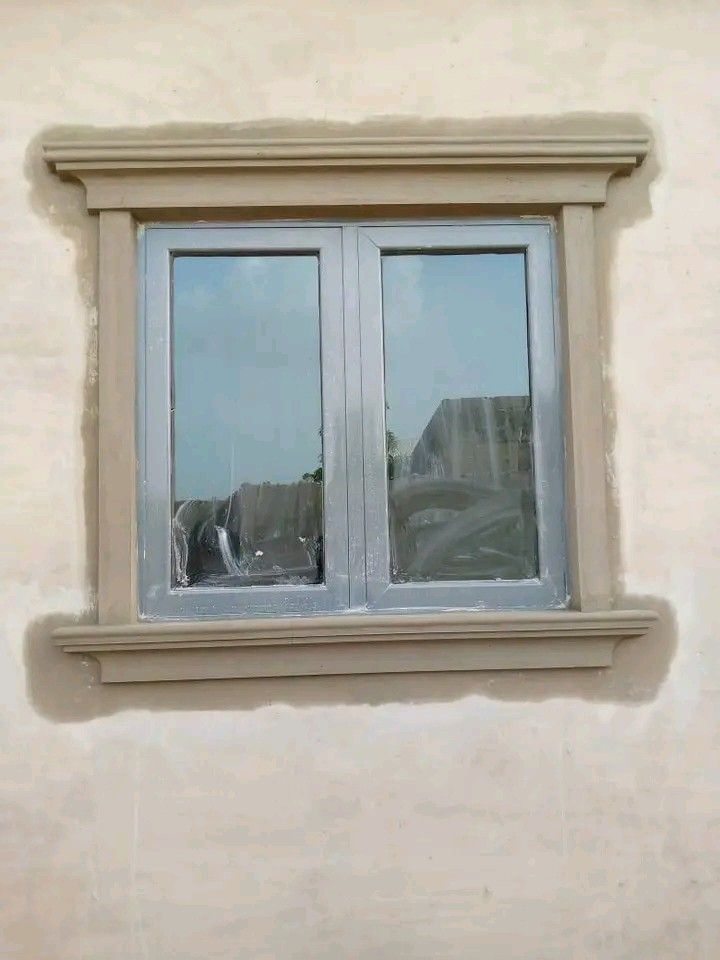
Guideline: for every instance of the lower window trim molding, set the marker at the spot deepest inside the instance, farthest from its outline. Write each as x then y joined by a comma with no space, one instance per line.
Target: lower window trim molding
353,644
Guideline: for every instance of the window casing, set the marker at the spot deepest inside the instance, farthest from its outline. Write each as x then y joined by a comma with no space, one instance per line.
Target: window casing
133,181
357,563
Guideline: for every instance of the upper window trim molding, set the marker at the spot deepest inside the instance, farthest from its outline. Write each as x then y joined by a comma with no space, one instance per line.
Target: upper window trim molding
618,149
132,181
537,169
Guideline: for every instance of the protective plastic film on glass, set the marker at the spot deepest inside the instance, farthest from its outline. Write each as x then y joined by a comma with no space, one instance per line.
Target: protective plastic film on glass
247,439
459,433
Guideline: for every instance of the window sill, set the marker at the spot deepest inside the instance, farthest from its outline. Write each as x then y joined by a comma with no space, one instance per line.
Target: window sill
354,644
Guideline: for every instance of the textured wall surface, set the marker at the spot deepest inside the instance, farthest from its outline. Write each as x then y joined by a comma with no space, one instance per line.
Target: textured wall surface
557,815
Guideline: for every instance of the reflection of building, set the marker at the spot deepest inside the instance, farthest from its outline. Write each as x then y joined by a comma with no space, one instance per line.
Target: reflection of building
488,439
263,533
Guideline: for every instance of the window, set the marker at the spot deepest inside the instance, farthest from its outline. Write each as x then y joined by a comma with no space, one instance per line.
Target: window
252,428
352,424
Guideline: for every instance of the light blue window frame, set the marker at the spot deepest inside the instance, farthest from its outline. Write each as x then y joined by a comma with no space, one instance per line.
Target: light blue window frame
355,495
535,240
158,598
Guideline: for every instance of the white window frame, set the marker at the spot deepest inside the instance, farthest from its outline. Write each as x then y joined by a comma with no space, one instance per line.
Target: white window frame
132,182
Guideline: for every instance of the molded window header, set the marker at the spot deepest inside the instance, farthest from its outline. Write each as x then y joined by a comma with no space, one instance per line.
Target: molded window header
536,169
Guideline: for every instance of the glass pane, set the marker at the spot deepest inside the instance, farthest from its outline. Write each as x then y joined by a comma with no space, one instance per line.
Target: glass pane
459,424
247,444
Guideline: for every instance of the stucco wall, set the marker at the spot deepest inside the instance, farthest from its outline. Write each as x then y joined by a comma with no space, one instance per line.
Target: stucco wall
555,815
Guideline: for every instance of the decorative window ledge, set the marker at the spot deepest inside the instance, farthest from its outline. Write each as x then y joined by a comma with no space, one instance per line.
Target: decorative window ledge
354,644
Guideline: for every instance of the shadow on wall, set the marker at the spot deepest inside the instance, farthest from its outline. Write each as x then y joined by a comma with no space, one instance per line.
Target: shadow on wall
66,688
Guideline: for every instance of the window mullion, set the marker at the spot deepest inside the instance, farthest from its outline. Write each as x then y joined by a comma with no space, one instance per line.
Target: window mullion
375,458
353,419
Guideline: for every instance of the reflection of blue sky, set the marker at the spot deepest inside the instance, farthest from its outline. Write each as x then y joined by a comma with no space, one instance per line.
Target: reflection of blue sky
246,371
246,356
455,326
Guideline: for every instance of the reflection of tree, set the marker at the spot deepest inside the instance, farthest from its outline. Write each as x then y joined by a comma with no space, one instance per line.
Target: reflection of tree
315,477
392,448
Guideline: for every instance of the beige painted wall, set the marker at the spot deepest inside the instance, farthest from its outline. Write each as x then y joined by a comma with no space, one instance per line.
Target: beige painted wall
572,815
